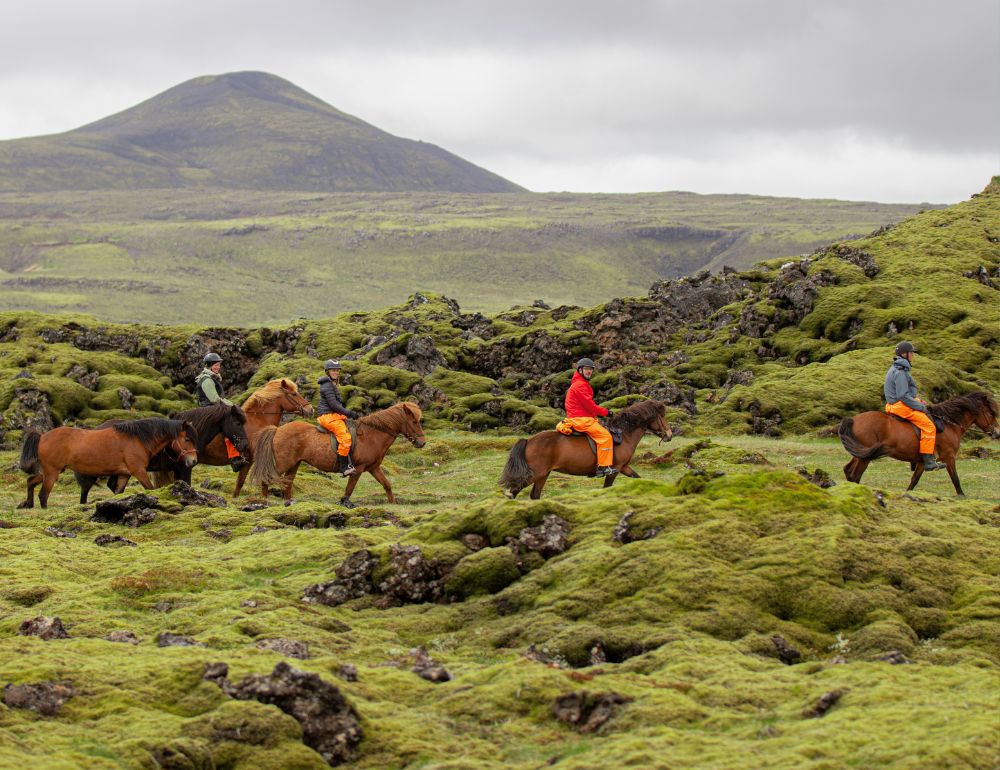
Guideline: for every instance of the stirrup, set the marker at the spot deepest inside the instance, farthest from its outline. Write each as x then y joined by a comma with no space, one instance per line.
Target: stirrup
930,464
346,467
605,470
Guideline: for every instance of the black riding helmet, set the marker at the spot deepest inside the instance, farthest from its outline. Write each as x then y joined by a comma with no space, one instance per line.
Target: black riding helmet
331,364
585,362
211,358
903,348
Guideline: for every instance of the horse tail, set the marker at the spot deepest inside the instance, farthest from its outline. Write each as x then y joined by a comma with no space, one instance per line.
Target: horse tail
29,462
855,447
161,478
265,468
517,473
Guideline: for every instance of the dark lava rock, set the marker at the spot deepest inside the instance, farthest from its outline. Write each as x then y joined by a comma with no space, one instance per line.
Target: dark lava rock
103,540
258,530
222,535
113,511
45,697
753,458
474,542
290,648
980,274
587,711
138,518
169,639
819,477
329,724
352,581
426,668
416,354
24,374
216,673
211,484
349,672
786,653
251,507
126,397
597,655
59,532
622,534
416,579
248,603
43,628
894,658
28,410
549,539
794,292
124,637
186,495
857,257
533,653
824,704
671,395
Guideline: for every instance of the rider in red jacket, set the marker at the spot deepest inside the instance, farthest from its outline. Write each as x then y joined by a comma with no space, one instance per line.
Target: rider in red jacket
582,414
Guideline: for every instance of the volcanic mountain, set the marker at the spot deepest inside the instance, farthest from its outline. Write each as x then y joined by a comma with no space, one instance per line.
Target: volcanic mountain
242,130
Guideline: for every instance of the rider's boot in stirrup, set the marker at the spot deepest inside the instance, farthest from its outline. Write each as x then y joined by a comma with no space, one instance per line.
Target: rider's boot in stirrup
931,465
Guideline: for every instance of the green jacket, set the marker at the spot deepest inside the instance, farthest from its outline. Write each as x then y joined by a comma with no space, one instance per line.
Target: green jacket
210,388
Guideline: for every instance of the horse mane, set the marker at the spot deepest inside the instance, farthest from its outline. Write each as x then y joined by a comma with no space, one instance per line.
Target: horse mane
637,416
203,416
392,419
268,393
150,429
974,403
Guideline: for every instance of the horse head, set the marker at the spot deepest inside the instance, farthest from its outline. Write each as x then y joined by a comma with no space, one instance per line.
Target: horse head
293,401
649,416
184,444
986,418
411,424
233,428
660,426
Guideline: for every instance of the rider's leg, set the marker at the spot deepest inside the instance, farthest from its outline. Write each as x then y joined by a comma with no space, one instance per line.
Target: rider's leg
605,446
339,429
928,433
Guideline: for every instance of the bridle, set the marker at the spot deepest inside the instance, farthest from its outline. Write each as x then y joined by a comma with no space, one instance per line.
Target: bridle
175,445
411,438
298,409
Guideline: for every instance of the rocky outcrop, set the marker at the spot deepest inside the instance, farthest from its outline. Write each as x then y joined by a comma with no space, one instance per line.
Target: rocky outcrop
28,410
44,628
415,580
45,698
352,581
417,354
793,292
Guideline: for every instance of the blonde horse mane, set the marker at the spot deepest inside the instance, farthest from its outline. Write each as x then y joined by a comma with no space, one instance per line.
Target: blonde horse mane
268,393
392,419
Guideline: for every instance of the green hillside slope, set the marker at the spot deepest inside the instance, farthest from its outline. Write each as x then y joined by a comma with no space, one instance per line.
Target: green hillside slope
243,130
240,258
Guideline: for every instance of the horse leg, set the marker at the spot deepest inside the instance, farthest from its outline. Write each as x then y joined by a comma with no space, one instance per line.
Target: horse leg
113,484
346,499
122,483
381,479
33,482
859,469
609,480
288,480
849,469
536,490
627,471
953,472
139,471
86,484
918,471
241,478
47,484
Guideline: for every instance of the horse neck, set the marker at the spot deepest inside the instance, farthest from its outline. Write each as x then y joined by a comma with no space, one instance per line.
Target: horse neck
158,445
631,439
376,441
206,436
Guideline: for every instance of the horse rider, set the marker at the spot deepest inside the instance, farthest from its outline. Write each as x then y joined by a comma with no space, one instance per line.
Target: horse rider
332,413
901,400
582,414
210,392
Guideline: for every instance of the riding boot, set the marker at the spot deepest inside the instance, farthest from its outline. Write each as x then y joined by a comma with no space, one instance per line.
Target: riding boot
931,465
236,463
605,470
346,467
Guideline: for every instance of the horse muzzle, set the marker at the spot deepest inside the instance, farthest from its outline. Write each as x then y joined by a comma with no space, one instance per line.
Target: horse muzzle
419,442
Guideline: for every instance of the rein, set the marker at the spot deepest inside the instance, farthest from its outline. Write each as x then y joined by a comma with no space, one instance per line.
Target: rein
407,436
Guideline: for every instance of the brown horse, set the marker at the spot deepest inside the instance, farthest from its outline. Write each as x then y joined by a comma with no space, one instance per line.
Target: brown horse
532,460
265,407
872,435
279,451
123,451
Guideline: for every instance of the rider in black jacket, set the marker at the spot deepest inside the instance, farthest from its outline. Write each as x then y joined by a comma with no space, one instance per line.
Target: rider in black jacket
332,413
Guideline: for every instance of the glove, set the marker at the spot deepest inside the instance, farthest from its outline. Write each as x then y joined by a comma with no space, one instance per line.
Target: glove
353,415
609,415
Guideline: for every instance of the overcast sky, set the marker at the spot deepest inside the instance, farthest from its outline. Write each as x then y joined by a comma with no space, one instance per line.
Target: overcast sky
875,100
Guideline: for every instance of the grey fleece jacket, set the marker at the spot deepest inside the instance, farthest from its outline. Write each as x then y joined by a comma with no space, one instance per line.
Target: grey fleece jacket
899,386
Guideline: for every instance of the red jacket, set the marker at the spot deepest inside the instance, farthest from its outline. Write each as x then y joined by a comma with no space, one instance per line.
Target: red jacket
580,399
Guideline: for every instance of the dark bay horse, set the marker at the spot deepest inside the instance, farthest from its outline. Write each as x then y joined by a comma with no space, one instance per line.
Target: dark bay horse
279,451
872,435
532,460
123,451
208,422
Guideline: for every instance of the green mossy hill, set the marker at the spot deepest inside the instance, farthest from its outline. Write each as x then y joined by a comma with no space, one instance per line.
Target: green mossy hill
241,130
245,258
679,625
785,347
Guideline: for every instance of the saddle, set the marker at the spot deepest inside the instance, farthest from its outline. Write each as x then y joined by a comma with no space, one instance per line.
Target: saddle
351,428
938,423
616,439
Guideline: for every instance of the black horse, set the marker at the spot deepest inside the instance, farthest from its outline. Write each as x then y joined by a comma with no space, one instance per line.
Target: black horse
209,421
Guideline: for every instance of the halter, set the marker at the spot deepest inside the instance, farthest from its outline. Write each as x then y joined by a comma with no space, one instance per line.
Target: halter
175,445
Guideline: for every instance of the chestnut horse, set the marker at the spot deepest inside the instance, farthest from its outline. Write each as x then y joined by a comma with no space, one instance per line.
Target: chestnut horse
123,451
279,451
872,435
533,459
265,407
208,422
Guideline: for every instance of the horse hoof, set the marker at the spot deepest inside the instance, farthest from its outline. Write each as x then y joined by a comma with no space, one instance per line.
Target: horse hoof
346,503
24,504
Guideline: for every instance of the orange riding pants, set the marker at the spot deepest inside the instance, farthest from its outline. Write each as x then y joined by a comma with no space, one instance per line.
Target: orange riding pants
928,433
231,451
335,424
590,426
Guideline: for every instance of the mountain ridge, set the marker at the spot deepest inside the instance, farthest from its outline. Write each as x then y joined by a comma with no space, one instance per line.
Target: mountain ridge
243,130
